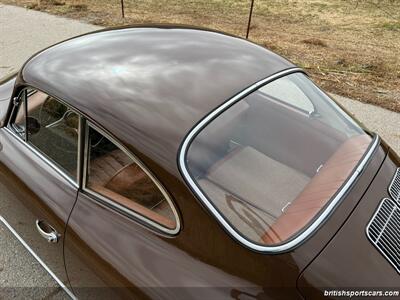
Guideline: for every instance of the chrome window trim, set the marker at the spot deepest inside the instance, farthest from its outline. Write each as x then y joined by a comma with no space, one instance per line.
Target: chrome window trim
14,113
233,232
43,157
81,145
42,263
114,204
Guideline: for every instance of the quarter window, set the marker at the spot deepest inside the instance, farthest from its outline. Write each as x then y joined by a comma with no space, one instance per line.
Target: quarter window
113,174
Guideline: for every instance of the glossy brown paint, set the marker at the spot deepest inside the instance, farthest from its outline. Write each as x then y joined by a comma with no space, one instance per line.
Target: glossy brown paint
149,86
32,190
201,262
205,250
312,247
348,259
168,68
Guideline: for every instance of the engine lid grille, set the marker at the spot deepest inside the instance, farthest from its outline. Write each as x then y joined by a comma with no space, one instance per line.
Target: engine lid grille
384,231
394,188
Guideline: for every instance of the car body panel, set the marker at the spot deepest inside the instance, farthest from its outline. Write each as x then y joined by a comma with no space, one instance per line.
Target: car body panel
314,245
32,190
203,265
350,252
90,251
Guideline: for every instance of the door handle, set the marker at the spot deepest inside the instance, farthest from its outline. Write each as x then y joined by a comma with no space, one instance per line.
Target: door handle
47,231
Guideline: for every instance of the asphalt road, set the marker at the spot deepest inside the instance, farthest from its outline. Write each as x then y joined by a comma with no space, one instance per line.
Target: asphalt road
24,32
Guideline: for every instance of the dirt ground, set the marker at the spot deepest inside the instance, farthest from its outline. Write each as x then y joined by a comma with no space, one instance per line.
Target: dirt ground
349,47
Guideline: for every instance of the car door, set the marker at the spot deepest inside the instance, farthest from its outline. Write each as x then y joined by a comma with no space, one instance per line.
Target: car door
39,175
121,225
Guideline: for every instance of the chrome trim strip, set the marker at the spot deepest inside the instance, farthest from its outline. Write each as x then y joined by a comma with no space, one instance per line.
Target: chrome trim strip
390,260
112,203
81,145
20,239
42,157
311,228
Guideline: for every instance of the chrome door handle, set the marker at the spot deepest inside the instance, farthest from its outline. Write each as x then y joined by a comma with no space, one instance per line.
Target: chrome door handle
47,231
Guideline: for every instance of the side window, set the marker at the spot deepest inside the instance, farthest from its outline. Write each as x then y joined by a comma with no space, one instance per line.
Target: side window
51,128
113,174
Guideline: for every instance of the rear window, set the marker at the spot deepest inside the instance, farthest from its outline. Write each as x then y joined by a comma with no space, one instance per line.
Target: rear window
271,162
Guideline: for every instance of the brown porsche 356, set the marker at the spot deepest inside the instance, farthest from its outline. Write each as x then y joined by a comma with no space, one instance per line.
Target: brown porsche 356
164,162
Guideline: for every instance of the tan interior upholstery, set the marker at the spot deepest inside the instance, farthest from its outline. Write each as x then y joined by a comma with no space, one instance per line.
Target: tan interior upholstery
132,205
319,191
115,176
264,182
268,201
106,166
250,221
258,185
133,183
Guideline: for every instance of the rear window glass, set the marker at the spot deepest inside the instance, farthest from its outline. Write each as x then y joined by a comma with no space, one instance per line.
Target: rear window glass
271,162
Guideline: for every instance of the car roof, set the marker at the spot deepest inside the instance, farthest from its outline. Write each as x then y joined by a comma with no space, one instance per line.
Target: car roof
150,85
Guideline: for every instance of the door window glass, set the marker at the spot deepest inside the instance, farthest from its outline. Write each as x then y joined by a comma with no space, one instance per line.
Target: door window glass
51,127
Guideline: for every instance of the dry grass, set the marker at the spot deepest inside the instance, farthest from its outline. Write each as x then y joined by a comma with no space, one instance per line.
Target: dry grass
315,42
350,47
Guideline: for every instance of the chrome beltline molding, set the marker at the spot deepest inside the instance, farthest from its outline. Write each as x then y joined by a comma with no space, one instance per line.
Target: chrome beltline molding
19,238
42,157
312,227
